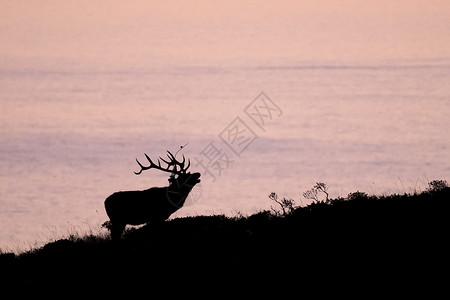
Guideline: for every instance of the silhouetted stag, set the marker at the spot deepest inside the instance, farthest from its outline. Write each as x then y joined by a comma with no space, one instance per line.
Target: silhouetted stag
155,204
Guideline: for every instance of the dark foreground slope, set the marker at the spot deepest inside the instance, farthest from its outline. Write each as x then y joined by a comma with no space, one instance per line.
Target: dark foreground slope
383,238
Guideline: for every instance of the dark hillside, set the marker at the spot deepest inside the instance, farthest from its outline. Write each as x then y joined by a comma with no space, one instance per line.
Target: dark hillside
392,236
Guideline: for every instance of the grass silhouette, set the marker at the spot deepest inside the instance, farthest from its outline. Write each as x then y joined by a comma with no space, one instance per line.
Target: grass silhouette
395,235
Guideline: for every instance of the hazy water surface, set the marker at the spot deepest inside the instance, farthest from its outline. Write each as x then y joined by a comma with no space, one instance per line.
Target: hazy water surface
70,139
362,95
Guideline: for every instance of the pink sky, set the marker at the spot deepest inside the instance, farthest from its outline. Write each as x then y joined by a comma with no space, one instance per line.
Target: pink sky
145,33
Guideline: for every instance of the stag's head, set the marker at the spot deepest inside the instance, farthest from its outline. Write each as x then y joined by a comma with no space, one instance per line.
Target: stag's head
185,180
178,170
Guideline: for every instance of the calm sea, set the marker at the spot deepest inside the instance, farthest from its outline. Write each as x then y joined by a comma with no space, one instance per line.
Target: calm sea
269,96
70,139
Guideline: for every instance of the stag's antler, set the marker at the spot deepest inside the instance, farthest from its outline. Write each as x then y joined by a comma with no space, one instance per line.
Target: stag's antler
172,162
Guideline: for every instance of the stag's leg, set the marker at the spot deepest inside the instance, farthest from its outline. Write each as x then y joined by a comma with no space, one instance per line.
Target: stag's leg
116,230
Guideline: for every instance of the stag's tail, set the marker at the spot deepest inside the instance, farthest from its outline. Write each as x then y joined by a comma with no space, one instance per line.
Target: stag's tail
109,207
116,227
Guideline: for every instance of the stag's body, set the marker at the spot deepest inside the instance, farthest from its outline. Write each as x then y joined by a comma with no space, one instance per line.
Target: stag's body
154,205
139,207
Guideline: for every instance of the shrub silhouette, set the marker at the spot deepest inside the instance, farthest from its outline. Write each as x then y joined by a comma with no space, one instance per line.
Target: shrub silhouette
437,185
312,194
357,196
287,205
